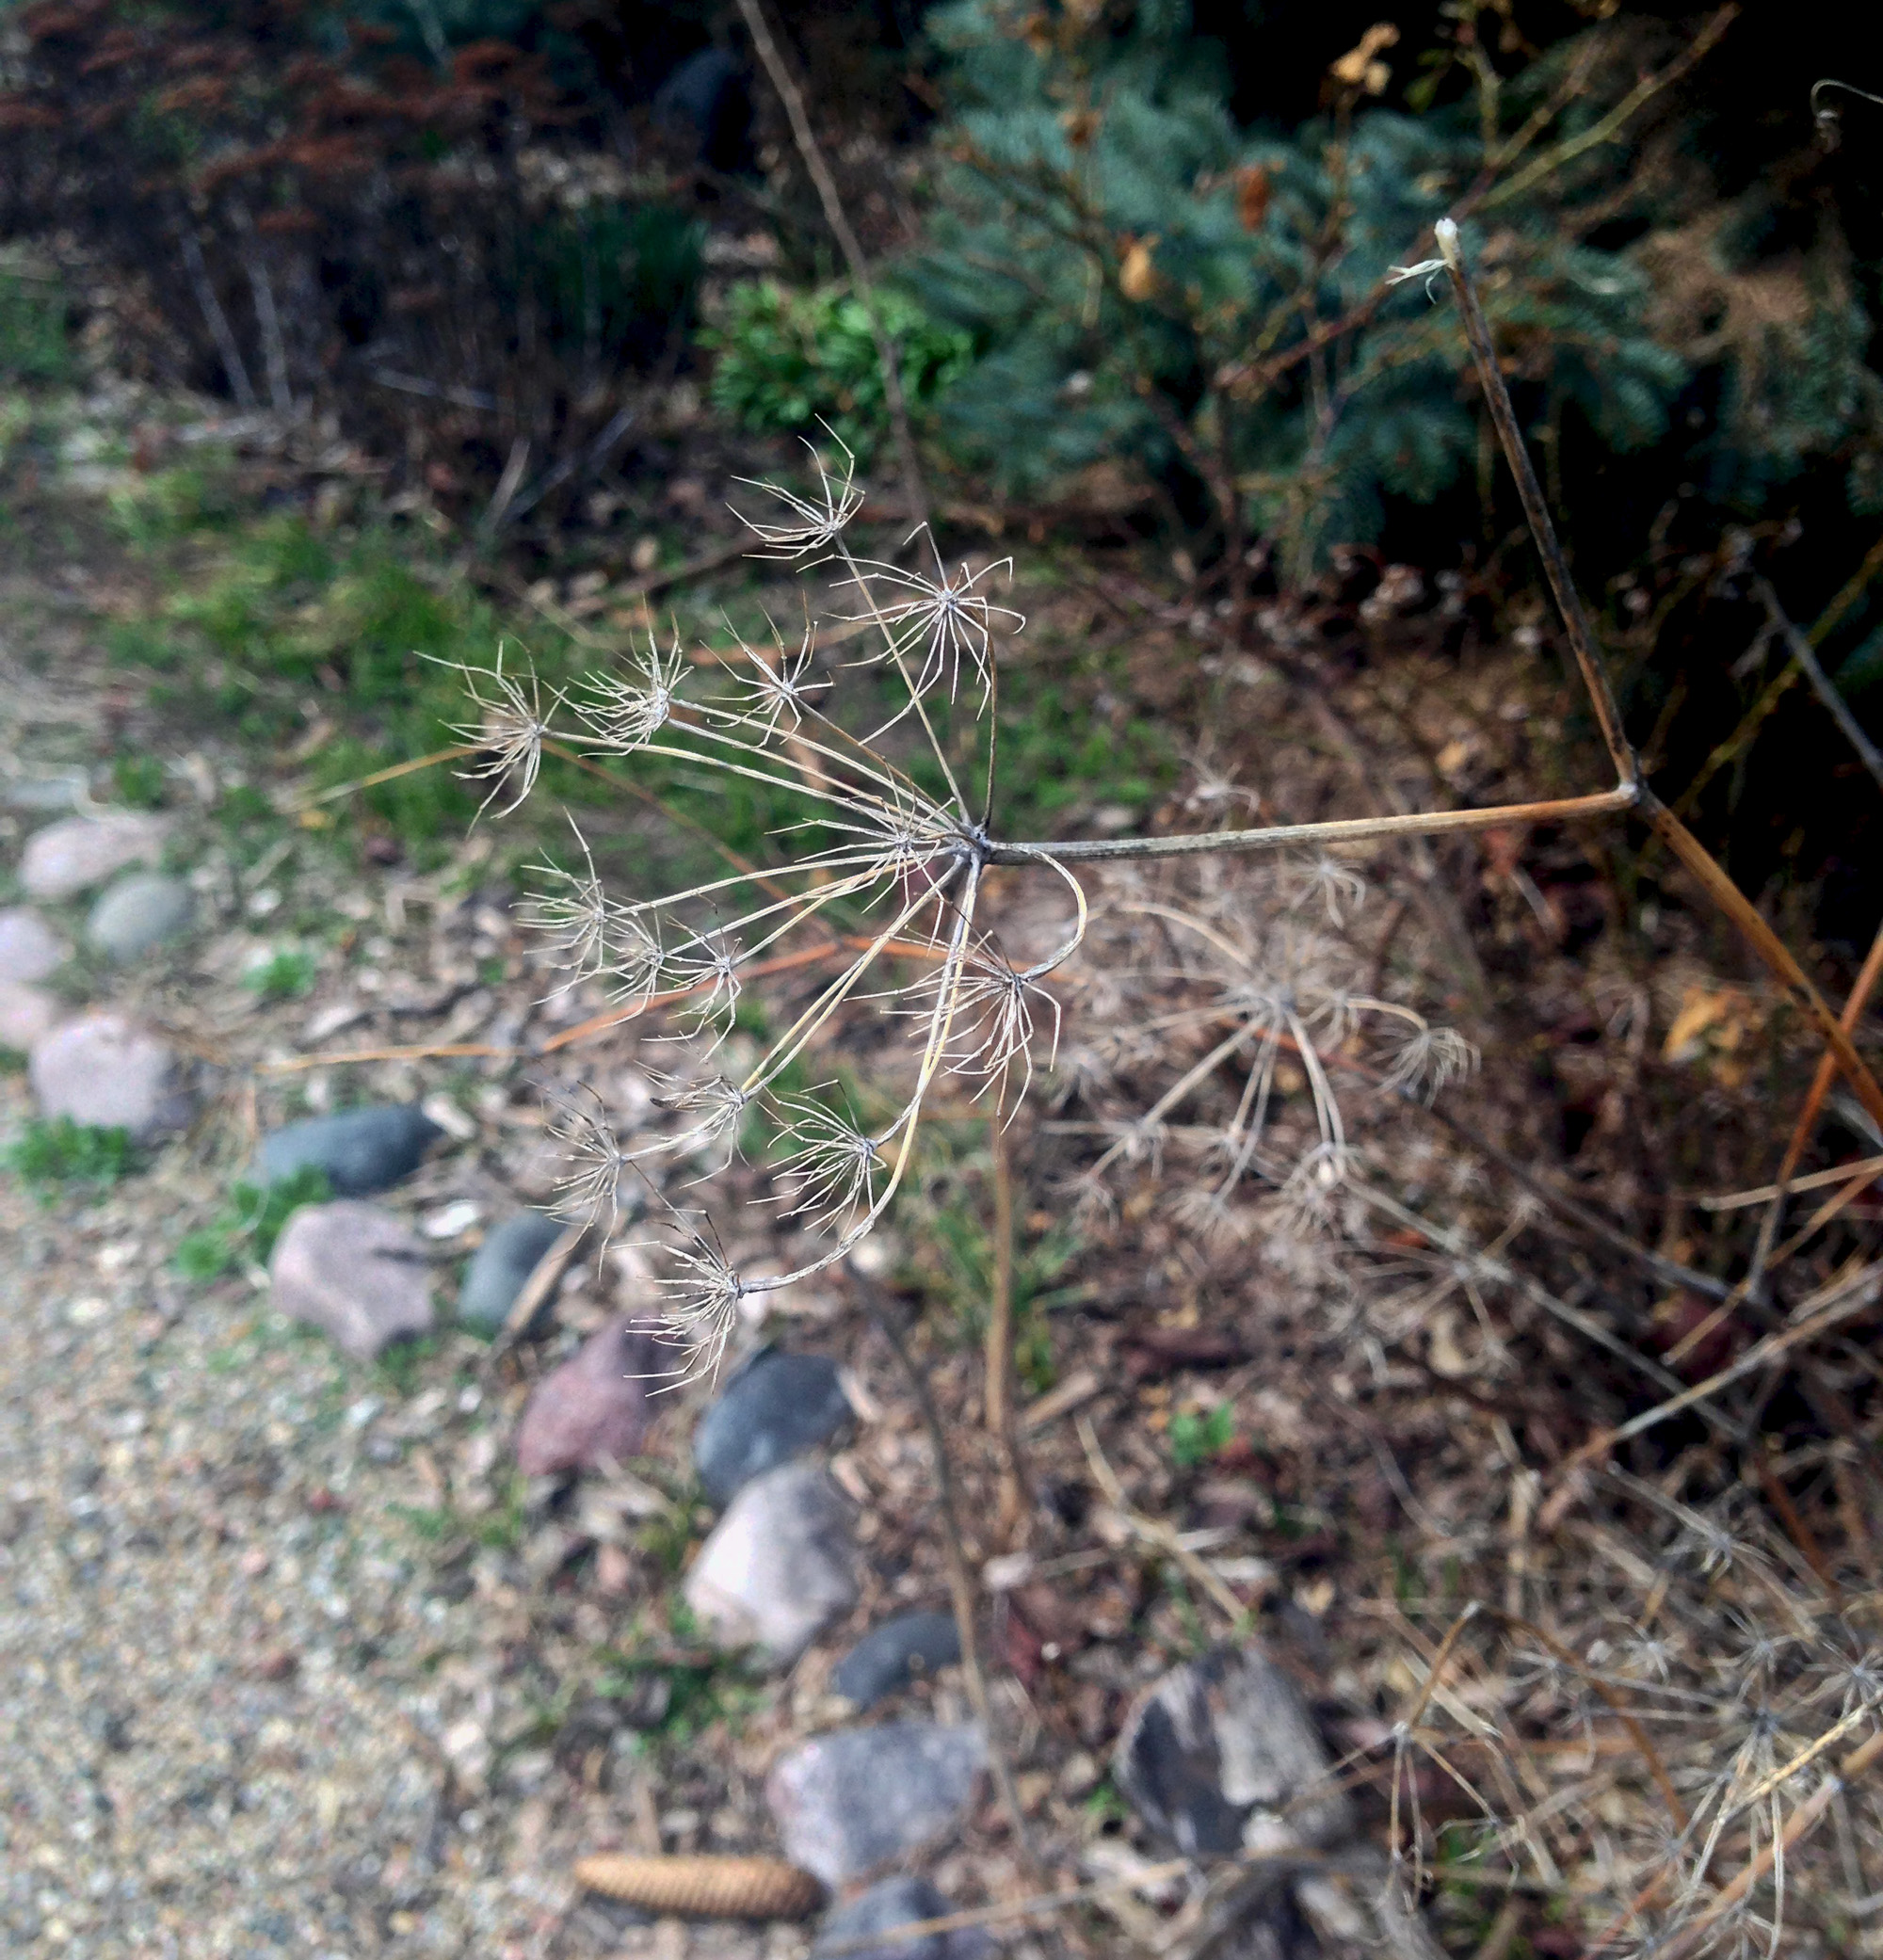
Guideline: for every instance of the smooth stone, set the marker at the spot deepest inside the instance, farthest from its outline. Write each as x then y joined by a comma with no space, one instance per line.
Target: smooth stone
775,1407
362,1150
64,858
27,1015
849,1801
30,950
898,1902
501,1266
355,1272
779,1567
889,1657
591,1412
1221,1755
140,912
47,791
104,1070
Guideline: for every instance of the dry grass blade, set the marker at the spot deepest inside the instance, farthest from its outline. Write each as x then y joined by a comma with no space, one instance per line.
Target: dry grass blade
1154,1531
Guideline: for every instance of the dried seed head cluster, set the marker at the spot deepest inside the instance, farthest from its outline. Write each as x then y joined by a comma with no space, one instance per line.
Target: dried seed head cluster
883,884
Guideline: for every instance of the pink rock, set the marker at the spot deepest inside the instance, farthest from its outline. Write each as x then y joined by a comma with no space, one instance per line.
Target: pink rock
27,1015
355,1272
591,1411
68,856
104,1069
29,948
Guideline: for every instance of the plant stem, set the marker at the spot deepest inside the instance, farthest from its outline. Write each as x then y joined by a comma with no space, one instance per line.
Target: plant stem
1556,566
769,54
960,1581
1279,837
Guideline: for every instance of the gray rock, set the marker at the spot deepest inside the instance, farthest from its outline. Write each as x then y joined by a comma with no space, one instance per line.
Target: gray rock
889,1657
66,857
362,1150
777,1567
139,912
847,1802
1221,1755
30,950
591,1411
501,1268
27,1015
775,1407
102,1069
355,1272
899,1902
60,792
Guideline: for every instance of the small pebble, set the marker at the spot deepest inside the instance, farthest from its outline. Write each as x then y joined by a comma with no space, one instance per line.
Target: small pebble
27,1015
501,1268
898,1902
775,1407
850,1801
354,1271
779,1567
102,1069
138,913
1221,1755
30,950
65,857
362,1150
592,1411
889,1657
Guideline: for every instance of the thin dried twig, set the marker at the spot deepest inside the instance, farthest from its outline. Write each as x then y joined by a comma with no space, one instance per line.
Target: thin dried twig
960,1583
1153,1530
779,71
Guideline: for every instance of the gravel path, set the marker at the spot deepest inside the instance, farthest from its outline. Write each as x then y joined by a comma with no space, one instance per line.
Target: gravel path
265,1686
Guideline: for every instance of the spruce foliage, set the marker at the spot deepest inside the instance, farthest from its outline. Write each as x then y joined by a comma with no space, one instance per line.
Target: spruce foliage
1145,279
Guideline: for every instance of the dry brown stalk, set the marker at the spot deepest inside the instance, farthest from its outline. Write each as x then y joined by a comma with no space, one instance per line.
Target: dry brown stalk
1685,846
703,1887
778,73
1843,1300
960,1581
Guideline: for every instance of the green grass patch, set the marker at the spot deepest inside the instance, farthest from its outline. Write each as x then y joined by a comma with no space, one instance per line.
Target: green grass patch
247,1226
401,1366
285,976
139,781
53,1153
1196,1438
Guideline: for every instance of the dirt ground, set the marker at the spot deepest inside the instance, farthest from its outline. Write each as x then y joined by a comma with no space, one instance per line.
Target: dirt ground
297,1661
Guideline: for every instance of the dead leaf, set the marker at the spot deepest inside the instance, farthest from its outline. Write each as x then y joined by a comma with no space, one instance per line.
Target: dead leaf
1137,272
1254,193
1081,127
1712,1021
1358,67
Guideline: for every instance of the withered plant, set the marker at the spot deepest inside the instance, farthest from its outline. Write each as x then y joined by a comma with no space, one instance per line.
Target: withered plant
886,866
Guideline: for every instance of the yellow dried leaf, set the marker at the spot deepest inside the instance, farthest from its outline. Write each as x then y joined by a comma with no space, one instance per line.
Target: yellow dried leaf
1138,273
1351,70
1712,1020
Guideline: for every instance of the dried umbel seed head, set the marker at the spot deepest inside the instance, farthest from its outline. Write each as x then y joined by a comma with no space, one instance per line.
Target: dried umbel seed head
880,892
